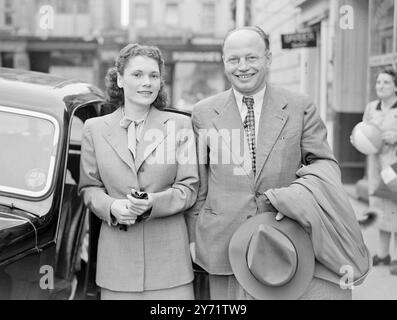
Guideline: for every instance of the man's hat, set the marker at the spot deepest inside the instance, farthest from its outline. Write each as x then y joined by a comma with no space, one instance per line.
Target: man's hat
272,259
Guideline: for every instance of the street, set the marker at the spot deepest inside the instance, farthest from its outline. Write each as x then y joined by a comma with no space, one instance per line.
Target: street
380,284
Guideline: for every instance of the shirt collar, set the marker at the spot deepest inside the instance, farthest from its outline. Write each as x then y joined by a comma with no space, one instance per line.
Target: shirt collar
258,98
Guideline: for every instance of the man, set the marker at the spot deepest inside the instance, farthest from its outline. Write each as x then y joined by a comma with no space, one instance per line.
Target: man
252,140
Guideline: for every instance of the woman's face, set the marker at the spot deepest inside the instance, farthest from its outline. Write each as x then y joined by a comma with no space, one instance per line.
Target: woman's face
385,86
140,81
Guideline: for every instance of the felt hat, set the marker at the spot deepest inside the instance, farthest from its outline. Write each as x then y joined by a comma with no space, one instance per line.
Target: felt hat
272,259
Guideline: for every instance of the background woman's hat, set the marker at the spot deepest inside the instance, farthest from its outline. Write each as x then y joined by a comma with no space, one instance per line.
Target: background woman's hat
367,138
272,259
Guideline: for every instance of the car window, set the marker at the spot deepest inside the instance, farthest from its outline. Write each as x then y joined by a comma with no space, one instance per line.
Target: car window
28,144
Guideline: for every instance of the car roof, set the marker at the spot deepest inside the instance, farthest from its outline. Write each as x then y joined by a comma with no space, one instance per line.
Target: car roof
44,93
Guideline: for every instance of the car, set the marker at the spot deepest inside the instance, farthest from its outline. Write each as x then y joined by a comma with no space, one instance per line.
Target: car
44,246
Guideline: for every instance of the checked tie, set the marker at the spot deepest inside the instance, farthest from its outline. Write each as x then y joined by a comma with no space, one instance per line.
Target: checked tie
130,125
249,127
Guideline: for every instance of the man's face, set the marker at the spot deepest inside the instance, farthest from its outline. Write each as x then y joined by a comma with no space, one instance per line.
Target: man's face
246,61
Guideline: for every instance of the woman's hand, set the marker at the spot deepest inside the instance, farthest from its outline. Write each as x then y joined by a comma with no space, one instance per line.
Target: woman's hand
390,137
139,206
120,210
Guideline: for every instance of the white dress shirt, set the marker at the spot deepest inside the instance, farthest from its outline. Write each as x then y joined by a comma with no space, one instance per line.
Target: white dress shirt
258,103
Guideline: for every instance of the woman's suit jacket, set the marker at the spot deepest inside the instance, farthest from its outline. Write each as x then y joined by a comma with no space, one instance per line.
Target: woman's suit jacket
153,254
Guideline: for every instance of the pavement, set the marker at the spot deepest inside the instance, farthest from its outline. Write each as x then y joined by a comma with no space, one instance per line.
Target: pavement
379,284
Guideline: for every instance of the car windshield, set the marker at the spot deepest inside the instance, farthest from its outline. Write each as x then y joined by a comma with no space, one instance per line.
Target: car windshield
28,144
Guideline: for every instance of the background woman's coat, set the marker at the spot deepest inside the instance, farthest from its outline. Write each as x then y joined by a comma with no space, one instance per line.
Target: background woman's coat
386,120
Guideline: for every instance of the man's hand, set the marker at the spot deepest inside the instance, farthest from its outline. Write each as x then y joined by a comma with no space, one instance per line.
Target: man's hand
120,210
390,137
270,208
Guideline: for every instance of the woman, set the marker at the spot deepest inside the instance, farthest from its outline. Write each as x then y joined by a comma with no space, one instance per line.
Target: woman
143,250
383,113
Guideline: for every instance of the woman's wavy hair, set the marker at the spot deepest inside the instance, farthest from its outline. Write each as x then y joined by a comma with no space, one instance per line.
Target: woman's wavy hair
391,72
114,94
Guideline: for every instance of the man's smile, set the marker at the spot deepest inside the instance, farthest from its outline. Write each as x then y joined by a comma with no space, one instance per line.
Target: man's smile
245,76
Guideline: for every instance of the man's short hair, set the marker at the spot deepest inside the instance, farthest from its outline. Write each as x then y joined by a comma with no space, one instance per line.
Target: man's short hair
264,36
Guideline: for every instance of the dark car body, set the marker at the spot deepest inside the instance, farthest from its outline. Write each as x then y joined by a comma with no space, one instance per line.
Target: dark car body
43,221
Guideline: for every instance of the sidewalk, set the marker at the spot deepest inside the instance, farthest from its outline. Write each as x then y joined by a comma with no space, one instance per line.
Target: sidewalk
379,284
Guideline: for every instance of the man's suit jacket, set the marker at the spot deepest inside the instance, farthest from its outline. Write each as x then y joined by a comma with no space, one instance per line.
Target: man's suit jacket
153,254
290,134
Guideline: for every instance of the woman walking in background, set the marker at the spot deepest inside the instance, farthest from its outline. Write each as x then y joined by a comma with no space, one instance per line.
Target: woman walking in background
383,113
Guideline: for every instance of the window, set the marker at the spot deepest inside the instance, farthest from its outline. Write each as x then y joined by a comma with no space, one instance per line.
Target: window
64,6
8,18
35,137
8,12
382,27
172,14
141,15
83,6
208,17
7,59
73,6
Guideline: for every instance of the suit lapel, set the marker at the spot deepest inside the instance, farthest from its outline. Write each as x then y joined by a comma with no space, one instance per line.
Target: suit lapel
153,133
117,138
273,119
228,117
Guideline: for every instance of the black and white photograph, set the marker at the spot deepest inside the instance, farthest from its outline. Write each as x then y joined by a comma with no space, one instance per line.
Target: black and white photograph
198,155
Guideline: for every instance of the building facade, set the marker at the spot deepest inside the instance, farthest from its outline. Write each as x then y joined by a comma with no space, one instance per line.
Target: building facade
190,34
303,69
382,40
81,38
57,36
335,72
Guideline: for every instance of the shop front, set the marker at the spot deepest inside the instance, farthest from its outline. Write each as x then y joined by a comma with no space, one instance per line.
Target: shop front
65,57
